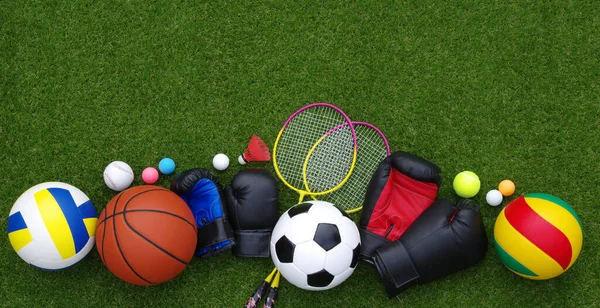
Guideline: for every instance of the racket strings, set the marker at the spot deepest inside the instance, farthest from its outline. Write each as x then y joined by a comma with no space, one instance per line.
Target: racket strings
297,139
331,160
372,149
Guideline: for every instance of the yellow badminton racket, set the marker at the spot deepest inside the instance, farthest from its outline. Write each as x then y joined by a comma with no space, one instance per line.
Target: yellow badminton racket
314,153
373,148
310,156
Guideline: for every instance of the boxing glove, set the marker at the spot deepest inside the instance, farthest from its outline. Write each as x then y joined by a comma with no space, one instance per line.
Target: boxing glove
443,240
201,190
253,207
401,188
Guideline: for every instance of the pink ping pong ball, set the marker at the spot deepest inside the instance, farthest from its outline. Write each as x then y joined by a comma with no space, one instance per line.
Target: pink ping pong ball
150,175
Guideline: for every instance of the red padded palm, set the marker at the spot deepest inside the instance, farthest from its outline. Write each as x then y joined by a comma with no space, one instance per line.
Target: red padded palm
402,200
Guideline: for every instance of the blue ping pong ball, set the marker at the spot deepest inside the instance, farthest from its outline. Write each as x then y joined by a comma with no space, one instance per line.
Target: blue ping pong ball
166,166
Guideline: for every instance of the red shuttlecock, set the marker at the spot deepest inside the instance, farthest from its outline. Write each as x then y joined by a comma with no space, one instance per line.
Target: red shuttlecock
257,150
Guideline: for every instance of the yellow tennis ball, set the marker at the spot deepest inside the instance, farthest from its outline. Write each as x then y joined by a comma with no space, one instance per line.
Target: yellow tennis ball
466,184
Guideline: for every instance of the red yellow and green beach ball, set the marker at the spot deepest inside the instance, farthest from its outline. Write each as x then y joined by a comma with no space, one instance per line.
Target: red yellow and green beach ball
538,236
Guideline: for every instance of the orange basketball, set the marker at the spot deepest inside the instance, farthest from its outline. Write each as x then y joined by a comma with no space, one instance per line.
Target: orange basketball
146,235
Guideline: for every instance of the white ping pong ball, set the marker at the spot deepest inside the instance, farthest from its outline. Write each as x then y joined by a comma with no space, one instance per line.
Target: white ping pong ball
493,197
220,161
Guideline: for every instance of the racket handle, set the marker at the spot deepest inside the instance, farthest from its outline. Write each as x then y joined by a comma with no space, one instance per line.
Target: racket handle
301,197
260,291
270,301
272,297
258,294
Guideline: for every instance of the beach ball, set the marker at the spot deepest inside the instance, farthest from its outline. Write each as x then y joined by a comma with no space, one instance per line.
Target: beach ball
538,236
52,225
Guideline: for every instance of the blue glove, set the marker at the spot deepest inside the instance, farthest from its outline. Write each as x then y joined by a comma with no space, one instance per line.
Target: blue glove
201,190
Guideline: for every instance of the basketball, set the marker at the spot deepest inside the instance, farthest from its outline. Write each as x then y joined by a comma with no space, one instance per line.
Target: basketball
538,236
146,235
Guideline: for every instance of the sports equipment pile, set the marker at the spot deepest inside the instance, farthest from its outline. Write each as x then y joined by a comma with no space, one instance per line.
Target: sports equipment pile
146,235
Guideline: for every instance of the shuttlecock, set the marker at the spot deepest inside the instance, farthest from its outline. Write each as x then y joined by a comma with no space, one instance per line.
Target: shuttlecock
257,150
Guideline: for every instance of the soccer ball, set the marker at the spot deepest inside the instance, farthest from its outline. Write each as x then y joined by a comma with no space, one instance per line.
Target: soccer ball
315,246
52,225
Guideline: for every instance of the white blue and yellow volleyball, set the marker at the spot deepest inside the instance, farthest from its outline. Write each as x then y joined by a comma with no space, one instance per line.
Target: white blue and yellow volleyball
52,225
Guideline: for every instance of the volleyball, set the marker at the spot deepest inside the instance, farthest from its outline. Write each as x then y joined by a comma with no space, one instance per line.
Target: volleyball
52,225
538,236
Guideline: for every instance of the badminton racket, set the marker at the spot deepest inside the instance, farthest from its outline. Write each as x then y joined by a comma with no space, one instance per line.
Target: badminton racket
372,148
309,156
273,291
314,153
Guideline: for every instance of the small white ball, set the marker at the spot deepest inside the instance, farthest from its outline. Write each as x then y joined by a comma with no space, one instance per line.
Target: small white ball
221,161
118,175
493,197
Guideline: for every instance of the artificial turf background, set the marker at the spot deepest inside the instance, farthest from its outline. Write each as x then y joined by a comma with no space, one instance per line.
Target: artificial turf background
508,90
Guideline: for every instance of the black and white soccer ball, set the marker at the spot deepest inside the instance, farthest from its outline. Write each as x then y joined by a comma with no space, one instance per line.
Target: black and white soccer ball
315,245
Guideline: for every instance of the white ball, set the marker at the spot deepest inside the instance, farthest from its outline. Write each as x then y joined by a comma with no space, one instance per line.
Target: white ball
118,175
221,161
315,246
493,197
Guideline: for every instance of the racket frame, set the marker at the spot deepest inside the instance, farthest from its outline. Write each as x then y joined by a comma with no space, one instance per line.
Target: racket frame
303,192
354,123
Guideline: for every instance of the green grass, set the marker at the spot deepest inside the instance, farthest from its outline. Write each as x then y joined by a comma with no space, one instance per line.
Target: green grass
506,89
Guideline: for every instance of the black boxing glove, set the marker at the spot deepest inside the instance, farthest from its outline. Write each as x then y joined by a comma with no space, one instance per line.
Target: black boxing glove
253,207
443,240
403,186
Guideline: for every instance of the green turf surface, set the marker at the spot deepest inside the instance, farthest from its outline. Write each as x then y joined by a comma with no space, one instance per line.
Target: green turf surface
506,89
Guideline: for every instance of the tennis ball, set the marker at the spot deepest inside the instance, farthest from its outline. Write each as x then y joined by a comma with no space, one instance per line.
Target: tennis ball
466,184
506,187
